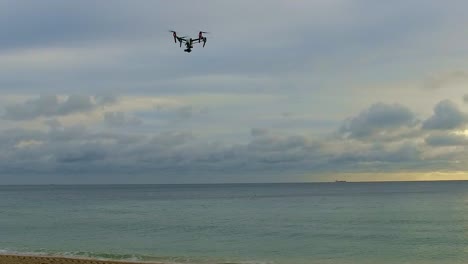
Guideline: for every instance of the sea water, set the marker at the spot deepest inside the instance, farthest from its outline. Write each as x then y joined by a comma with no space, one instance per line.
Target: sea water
298,223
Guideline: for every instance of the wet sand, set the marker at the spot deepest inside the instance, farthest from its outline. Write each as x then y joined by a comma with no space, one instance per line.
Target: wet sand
13,259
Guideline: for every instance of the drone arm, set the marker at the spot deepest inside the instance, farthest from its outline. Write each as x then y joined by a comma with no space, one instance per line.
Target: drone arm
195,41
181,39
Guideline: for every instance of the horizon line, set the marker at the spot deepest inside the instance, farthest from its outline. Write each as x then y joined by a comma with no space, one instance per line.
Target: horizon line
228,183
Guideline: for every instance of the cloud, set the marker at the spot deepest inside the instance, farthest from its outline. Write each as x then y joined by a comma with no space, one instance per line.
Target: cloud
218,108
446,139
465,98
257,132
84,154
120,119
50,105
44,105
53,23
84,32
180,151
105,99
446,79
272,143
376,119
446,116
378,154
186,112
52,124
78,149
75,103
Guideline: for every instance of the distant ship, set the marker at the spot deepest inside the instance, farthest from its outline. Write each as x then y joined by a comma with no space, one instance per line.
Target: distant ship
339,181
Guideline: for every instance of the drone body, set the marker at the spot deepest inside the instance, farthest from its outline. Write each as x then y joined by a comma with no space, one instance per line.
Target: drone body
189,42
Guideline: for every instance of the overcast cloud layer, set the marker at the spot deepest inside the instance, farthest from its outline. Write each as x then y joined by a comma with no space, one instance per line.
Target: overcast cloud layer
97,91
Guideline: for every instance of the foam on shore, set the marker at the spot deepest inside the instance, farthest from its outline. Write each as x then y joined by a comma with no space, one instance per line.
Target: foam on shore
29,259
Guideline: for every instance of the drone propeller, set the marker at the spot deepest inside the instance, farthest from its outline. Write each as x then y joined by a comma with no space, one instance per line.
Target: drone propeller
200,36
174,34
177,38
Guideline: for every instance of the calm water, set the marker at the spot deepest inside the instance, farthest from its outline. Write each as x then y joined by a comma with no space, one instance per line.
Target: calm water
349,223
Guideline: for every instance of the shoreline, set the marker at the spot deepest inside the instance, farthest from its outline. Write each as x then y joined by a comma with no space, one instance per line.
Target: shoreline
31,259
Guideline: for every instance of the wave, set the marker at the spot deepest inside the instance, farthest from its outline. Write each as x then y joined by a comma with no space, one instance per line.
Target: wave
128,258
78,255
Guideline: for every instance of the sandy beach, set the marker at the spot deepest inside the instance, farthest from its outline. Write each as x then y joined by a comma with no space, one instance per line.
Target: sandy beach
13,259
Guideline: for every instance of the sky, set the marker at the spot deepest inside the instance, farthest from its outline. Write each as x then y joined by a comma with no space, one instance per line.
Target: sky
97,92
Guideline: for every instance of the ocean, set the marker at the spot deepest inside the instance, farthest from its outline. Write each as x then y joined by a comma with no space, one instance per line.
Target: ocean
296,223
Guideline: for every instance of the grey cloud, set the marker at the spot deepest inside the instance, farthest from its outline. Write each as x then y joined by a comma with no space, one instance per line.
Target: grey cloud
446,116
125,46
75,103
79,150
63,135
274,143
446,139
465,98
83,154
56,23
185,111
177,113
44,105
11,137
404,153
288,150
377,118
454,77
53,123
139,29
106,99
255,132
120,119
379,154
171,139
49,105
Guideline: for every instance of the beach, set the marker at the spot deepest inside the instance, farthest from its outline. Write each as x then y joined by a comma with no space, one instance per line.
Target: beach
16,259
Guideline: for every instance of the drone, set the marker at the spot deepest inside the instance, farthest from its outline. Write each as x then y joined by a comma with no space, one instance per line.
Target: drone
189,42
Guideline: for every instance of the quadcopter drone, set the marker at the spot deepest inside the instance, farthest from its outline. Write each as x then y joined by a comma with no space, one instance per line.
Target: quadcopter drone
189,42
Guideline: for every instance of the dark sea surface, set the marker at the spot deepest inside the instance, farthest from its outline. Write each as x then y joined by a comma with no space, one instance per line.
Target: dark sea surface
298,223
